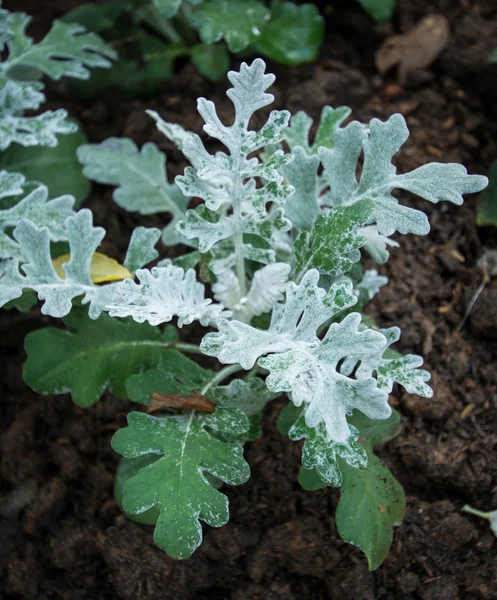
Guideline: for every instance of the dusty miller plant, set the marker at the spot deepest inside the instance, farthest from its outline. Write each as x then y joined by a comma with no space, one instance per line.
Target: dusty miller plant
68,50
279,236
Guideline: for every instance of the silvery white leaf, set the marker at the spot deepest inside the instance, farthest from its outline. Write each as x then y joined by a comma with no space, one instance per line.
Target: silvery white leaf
174,132
160,295
302,207
433,182
39,273
40,130
376,245
66,51
372,283
227,291
140,178
141,249
35,207
403,369
231,181
268,287
301,364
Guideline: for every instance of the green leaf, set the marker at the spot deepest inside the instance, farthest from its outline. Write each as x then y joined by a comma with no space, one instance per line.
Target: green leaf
372,501
91,356
238,22
174,374
486,211
332,246
58,168
175,483
23,304
293,35
126,469
97,17
310,481
212,61
169,8
379,10
320,466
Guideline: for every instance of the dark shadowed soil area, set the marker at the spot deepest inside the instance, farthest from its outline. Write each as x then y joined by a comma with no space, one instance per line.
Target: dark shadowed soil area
63,536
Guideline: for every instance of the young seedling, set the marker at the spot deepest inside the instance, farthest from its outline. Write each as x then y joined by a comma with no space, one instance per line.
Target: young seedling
279,236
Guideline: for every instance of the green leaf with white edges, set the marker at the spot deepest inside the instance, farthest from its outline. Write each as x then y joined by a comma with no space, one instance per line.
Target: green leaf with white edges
320,465
175,483
91,356
188,449
332,245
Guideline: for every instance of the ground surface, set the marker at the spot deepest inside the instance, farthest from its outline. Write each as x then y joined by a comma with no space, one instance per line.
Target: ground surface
73,543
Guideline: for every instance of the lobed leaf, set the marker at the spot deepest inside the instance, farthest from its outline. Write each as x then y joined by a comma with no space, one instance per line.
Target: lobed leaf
433,182
66,51
91,356
332,245
140,178
40,130
293,35
301,364
36,207
188,449
238,22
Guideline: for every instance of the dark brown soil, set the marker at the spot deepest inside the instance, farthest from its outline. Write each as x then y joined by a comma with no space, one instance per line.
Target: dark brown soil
62,535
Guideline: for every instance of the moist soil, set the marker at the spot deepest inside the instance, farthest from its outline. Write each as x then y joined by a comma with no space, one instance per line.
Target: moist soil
62,535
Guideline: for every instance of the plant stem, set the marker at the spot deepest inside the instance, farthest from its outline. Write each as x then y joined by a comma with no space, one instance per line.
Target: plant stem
238,237
221,376
477,513
151,17
183,347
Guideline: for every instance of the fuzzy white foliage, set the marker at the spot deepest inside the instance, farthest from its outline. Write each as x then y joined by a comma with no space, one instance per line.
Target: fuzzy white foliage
66,51
433,182
377,244
404,369
228,181
162,293
140,178
301,364
35,207
372,283
174,132
267,288
41,130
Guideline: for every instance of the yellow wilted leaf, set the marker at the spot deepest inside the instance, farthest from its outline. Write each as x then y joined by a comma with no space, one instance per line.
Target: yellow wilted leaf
102,268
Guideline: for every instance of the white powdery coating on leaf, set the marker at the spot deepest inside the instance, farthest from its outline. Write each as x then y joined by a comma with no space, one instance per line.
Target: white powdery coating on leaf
163,293
301,364
268,287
